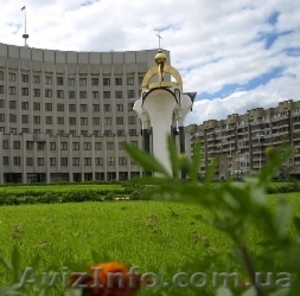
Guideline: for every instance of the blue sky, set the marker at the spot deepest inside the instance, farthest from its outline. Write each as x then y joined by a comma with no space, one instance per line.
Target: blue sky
236,54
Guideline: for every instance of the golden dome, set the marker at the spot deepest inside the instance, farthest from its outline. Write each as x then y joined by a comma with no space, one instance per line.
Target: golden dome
160,57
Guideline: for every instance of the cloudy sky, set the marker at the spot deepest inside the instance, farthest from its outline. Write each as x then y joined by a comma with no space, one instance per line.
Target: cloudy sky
237,54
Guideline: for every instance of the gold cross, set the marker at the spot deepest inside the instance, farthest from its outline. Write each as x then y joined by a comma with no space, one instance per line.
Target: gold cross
159,38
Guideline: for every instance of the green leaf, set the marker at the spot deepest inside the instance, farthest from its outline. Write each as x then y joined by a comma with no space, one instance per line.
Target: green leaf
280,292
145,160
173,155
196,162
297,223
211,172
15,262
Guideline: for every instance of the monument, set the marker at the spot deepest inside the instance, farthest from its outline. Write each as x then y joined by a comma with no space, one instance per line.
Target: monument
162,108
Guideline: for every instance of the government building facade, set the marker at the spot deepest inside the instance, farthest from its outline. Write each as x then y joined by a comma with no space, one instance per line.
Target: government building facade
66,116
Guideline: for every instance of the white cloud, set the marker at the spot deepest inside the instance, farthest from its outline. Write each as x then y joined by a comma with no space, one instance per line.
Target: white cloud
213,43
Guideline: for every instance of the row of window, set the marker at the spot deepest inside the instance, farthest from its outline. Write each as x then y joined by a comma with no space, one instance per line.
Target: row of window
71,81
74,133
72,120
87,161
61,107
12,90
64,145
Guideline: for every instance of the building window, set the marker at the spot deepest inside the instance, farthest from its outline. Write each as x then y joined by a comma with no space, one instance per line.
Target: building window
17,160
132,132
75,146
107,133
87,146
121,145
64,161
12,104
118,81
60,94
87,161
60,120
25,105
75,161
25,119
5,160
71,81
130,106
110,161
72,120
98,146
48,80
11,76
107,120
96,120
1,89
48,106
12,118
82,81
82,94
131,120
48,93
130,94
59,80
25,130
119,120
95,81
84,133
72,94
1,75
110,145
120,133
96,107
106,81
37,93
106,94
118,94
52,146
107,107
12,90
134,143
63,146
36,79
36,131
5,144
49,131
97,133
48,119
99,161
83,120
122,161
24,91
60,107
40,161
25,78
83,108
72,108
29,161
52,161
2,117
16,144
141,80
36,119
95,94
119,107
40,145
130,80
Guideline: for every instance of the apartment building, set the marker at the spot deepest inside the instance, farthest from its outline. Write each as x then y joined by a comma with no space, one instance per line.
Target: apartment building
240,140
66,116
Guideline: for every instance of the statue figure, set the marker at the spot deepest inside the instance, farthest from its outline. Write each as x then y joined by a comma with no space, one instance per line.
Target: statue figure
160,60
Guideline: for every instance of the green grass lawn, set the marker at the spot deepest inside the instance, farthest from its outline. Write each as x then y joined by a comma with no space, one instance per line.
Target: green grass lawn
151,234
59,188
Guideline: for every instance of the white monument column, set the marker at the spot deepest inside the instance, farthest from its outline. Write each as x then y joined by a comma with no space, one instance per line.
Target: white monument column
159,101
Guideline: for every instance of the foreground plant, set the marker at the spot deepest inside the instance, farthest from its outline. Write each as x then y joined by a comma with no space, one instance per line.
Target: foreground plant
273,268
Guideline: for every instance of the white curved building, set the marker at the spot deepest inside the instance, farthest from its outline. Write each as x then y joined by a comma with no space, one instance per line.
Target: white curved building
65,116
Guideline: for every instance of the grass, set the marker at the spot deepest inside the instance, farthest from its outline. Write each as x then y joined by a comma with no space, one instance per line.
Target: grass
151,234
